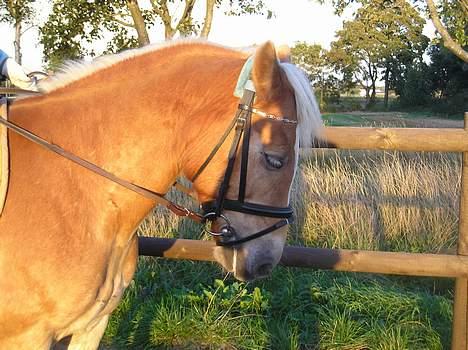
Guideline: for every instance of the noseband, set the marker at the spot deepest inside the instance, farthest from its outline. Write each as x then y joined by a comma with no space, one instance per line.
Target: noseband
212,210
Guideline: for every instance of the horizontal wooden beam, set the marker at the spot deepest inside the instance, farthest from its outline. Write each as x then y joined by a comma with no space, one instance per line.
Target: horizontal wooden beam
402,139
408,264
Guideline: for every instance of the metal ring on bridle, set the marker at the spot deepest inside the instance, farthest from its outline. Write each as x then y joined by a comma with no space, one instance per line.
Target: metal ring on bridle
212,216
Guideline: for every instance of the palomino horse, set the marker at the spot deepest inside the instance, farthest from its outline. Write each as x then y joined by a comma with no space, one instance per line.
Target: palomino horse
68,246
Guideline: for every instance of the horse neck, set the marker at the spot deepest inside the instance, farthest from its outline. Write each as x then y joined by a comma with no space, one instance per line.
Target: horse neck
143,130
105,128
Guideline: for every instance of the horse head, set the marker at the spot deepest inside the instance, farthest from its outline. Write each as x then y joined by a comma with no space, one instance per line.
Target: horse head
245,189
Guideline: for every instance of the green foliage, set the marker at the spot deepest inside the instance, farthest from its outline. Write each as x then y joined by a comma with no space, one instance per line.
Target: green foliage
199,313
314,60
16,11
245,7
449,81
448,73
416,89
73,24
382,36
454,16
441,85
311,58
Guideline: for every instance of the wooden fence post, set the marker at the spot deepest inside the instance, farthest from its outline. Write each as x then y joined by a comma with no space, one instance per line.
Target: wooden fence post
460,305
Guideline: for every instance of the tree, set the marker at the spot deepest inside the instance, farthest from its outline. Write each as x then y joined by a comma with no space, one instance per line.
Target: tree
457,11
383,35
311,58
17,13
449,80
73,24
450,20
316,62
415,88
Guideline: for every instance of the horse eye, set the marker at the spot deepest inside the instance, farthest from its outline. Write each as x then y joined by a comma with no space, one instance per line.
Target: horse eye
273,161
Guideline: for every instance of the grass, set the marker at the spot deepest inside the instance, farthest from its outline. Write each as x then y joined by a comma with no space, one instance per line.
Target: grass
441,108
292,310
342,119
378,201
391,119
362,200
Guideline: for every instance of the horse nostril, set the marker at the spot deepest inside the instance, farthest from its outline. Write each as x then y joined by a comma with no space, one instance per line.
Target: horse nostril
264,270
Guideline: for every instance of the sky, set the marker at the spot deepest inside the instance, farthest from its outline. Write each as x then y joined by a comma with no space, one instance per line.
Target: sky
293,21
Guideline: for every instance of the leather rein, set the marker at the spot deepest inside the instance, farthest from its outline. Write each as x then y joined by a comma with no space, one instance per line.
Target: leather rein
211,211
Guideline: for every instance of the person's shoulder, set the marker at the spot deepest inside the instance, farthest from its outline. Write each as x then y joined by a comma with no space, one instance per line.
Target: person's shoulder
3,56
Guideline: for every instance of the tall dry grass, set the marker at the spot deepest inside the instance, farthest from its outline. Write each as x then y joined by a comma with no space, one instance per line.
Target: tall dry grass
375,200
360,200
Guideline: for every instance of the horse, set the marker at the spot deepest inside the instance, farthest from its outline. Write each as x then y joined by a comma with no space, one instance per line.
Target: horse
68,247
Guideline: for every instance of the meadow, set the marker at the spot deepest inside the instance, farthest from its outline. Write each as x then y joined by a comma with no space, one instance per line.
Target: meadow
389,201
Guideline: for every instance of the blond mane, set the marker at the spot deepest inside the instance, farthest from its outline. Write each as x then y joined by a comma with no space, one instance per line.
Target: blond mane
310,125
72,71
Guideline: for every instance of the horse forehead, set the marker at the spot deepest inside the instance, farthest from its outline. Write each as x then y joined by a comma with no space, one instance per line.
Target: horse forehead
275,133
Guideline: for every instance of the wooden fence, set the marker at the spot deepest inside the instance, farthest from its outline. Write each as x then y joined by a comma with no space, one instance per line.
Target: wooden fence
410,264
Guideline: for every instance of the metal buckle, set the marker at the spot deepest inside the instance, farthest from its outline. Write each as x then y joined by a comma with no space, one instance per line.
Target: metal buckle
225,231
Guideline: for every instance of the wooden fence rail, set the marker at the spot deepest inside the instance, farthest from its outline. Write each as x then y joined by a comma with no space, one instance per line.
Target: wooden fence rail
437,265
401,139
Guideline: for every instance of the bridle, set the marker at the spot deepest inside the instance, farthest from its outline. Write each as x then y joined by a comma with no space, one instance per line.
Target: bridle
212,210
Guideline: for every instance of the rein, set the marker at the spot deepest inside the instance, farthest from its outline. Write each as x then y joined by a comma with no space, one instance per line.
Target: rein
212,210
159,198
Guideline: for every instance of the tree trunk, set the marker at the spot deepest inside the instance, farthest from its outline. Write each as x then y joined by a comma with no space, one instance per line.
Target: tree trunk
17,42
387,75
449,43
367,88
208,19
372,97
143,38
168,32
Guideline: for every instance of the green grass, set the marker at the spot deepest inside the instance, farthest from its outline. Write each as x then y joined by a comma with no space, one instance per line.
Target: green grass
342,119
389,119
294,309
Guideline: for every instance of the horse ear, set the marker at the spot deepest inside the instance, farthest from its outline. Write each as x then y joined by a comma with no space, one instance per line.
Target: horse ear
266,72
284,53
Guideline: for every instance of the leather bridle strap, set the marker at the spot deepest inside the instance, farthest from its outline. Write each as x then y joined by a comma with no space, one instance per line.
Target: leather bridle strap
159,198
252,209
259,234
230,167
215,149
245,152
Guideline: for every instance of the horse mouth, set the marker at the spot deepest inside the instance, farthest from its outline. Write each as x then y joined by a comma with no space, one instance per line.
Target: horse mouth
243,268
